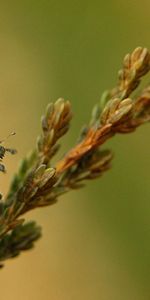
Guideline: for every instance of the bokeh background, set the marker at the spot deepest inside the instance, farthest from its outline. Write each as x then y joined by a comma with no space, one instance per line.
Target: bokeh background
96,241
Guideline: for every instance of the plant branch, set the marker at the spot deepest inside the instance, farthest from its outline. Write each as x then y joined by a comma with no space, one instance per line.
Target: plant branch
39,183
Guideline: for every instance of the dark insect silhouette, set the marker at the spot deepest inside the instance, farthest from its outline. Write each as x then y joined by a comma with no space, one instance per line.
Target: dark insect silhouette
3,151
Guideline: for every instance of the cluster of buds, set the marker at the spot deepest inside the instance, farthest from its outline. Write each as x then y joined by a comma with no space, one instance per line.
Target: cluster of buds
39,183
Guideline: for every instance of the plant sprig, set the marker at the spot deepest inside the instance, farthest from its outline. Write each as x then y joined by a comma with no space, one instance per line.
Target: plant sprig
39,182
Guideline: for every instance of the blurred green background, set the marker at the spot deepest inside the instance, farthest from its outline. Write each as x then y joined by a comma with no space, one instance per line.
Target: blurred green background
96,241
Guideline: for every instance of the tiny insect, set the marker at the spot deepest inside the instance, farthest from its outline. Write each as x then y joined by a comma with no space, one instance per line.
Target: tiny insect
3,151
